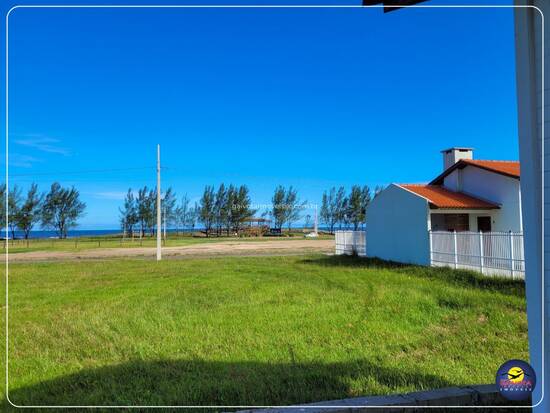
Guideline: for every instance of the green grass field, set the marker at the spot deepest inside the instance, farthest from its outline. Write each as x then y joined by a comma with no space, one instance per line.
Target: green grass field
86,243
253,331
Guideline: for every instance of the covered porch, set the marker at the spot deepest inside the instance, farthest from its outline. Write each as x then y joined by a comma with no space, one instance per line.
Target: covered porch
475,220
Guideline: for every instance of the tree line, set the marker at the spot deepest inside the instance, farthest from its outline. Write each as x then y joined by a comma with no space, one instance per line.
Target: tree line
340,209
58,209
139,211
286,207
221,211
226,209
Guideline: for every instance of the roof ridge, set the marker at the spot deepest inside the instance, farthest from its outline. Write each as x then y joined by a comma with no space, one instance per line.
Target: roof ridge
489,160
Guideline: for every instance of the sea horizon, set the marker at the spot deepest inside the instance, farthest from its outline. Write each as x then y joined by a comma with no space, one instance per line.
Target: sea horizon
78,233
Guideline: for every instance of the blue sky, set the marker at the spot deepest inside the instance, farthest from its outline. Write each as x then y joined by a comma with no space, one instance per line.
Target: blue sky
307,97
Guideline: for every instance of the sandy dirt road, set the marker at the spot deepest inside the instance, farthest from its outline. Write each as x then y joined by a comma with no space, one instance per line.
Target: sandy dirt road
198,250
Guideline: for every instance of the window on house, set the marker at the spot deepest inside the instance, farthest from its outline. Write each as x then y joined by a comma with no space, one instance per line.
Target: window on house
450,222
457,222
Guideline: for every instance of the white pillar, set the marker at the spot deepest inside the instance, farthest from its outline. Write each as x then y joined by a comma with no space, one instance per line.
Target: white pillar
511,246
481,252
455,248
315,221
531,97
430,235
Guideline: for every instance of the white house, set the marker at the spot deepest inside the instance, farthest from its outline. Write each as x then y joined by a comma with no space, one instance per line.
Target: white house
469,195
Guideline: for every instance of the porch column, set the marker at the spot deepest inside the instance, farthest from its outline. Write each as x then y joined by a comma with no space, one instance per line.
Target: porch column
533,98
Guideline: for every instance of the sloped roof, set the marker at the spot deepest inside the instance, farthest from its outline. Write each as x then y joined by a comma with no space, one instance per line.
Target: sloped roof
440,197
506,168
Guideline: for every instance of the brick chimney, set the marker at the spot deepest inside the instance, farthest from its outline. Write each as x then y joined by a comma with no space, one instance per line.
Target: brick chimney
453,155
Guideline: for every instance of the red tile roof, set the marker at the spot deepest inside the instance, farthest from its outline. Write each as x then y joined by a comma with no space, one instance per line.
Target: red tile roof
507,168
510,168
439,197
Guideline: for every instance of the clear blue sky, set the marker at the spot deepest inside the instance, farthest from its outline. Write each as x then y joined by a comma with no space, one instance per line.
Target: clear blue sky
307,97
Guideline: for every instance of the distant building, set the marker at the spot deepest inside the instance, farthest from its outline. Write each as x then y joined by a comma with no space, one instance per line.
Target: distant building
469,195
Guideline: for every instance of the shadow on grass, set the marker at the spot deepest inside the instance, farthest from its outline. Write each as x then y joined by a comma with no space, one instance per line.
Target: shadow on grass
194,382
459,277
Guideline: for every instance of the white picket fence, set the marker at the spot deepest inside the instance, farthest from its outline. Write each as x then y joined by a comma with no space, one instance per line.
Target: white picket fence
350,243
491,253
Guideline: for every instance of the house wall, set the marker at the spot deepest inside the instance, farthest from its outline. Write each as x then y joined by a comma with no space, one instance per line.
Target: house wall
493,187
397,227
451,181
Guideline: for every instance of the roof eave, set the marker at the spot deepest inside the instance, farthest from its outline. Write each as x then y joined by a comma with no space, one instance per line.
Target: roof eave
462,164
487,208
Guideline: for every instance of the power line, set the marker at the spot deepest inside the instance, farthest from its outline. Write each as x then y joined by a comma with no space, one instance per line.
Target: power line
89,171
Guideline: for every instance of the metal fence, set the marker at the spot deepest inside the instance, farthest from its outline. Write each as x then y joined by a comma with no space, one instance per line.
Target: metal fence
491,253
350,243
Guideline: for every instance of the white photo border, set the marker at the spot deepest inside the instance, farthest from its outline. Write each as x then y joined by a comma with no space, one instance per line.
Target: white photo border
252,6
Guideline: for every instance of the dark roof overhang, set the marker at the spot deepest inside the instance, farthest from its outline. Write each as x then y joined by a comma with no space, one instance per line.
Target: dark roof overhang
390,5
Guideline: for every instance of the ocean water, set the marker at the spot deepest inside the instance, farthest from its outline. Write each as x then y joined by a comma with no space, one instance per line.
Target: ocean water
71,233
75,233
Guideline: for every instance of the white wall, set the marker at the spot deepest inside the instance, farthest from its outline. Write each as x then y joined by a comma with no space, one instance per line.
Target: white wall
493,187
451,180
397,227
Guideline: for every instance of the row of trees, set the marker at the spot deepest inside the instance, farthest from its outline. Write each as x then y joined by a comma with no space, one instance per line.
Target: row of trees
225,209
286,207
58,209
139,212
340,209
221,210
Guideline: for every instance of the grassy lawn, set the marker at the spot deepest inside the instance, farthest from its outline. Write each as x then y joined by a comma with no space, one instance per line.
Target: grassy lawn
86,243
249,331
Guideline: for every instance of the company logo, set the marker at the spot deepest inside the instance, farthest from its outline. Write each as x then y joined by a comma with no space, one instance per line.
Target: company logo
516,380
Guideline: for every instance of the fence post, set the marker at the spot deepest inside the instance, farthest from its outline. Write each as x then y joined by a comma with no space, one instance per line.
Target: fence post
511,243
481,252
431,247
455,249
345,252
